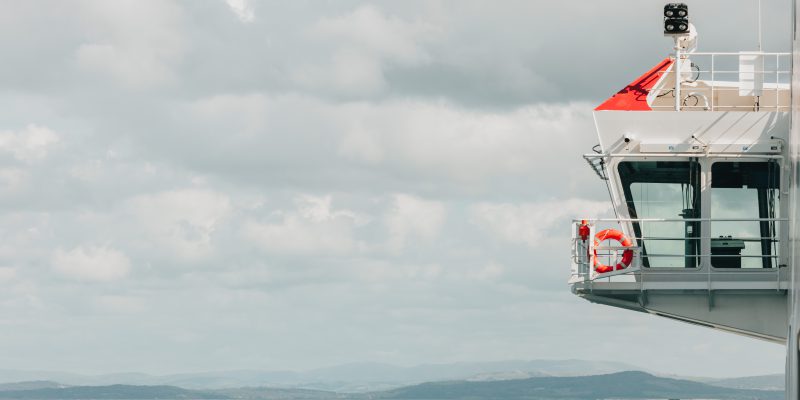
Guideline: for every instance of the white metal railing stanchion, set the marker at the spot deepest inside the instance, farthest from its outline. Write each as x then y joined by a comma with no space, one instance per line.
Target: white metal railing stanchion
708,273
777,78
677,77
712,82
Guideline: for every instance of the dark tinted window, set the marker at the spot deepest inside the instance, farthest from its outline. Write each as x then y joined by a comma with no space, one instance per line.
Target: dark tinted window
664,190
745,190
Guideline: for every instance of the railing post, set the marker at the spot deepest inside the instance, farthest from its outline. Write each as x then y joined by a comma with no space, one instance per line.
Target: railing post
777,80
712,82
590,251
677,76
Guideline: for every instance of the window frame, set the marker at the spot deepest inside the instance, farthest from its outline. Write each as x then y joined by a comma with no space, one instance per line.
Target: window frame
622,208
782,212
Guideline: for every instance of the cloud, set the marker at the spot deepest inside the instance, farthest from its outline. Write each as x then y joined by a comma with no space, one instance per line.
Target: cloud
135,43
313,227
362,43
29,144
470,145
412,217
533,224
380,273
248,114
7,274
91,263
180,222
349,72
368,28
396,146
125,65
11,179
120,304
243,9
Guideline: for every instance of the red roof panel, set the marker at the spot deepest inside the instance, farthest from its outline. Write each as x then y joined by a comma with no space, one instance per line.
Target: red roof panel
634,96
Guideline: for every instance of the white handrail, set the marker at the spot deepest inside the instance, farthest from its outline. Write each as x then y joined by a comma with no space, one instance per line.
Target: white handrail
693,155
723,53
680,219
585,250
720,99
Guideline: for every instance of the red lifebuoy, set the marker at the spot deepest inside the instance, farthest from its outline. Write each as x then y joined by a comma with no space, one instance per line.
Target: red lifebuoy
627,255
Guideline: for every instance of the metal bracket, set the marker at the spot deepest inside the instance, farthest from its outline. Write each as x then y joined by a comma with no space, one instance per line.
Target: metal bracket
710,299
598,164
643,298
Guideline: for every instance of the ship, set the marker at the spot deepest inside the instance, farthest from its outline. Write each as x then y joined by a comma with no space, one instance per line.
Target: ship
700,156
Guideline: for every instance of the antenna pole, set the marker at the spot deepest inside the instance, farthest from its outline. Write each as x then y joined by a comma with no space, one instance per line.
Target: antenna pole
759,25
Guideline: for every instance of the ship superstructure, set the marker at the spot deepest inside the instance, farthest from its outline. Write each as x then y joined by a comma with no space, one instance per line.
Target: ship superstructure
699,158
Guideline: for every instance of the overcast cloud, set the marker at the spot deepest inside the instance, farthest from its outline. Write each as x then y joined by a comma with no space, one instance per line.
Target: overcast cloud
208,185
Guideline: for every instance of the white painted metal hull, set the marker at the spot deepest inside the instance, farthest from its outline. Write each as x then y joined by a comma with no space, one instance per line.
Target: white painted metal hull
793,334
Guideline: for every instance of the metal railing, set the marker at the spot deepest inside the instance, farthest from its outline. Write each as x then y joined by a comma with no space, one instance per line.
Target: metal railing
698,248
716,87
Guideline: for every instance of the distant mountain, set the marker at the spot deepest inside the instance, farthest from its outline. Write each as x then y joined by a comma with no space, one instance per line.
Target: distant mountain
355,377
30,385
112,392
15,376
505,376
763,382
621,385
434,372
263,393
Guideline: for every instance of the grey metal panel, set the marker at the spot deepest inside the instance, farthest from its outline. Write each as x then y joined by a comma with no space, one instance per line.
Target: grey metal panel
759,314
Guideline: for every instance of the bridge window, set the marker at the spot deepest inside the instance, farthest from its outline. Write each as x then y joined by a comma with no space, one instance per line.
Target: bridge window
666,190
748,191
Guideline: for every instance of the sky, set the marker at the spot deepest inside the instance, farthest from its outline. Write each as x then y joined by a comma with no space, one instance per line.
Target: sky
216,185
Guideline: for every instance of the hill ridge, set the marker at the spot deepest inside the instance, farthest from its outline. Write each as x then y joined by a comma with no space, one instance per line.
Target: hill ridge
632,384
